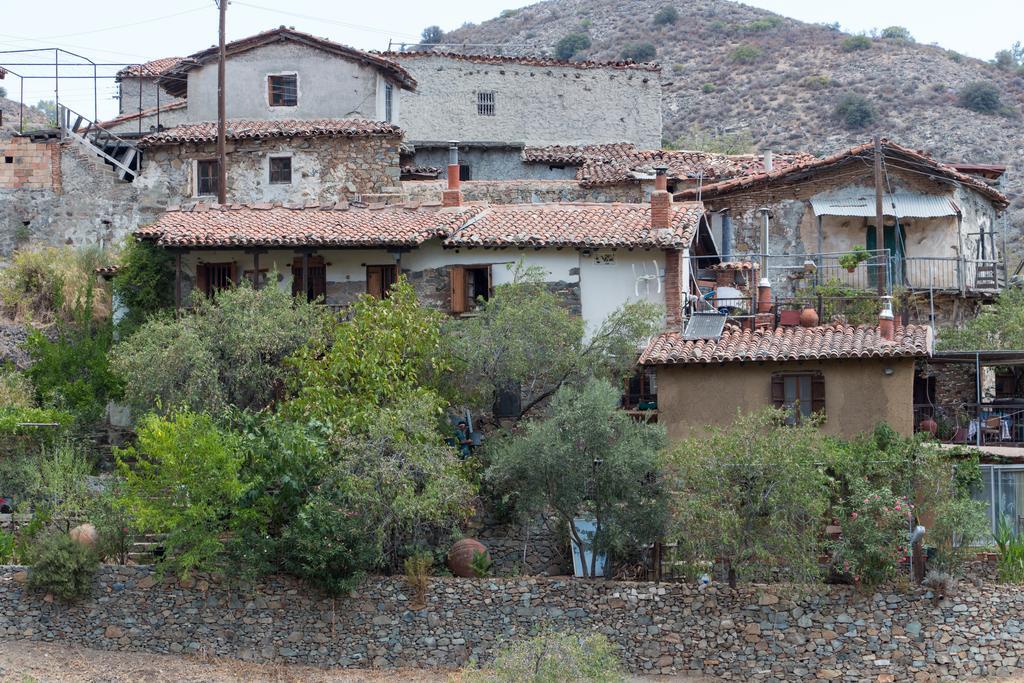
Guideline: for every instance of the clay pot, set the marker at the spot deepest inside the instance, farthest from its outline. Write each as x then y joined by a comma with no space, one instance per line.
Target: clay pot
929,425
85,534
808,317
460,557
764,296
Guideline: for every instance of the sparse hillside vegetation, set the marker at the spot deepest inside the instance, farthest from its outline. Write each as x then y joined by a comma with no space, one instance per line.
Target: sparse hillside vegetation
731,67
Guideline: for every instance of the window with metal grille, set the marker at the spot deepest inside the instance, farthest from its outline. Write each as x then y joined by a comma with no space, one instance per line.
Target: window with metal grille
280,170
485,103
213,277
799,394
389,95
284,90
206,176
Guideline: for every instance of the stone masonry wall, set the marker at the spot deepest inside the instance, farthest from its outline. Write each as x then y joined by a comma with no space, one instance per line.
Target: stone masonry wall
752,633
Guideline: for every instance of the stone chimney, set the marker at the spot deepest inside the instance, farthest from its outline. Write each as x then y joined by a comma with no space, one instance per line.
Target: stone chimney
661,200
453,195
887,322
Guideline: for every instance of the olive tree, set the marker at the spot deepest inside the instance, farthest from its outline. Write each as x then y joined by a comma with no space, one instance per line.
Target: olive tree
586,458
752,494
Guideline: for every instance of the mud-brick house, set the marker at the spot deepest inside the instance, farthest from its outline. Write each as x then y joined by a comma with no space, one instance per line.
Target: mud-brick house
940,249
280,160
855,377
596,257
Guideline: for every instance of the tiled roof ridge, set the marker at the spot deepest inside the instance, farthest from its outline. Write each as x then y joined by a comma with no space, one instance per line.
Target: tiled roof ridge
528,60
746,181
150,69
173,105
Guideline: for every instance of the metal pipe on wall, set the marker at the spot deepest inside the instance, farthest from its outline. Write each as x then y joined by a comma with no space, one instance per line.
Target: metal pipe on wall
726,235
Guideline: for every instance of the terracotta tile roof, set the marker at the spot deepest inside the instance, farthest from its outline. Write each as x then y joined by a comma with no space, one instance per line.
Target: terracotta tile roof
894,154
243,129
151,69
575,155
332,225
578,225
151,111
524,60
175,82
736,265
789,343
471,225
610,169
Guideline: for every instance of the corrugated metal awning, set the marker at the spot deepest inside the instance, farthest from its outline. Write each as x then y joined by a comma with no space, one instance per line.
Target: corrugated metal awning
907,205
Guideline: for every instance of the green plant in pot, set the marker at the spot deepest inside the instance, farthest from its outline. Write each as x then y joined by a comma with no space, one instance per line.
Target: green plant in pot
854,258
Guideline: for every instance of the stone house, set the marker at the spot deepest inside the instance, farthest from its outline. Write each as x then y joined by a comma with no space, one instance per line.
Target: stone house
939,250
855,377
138,85
596,257
274,161
496,105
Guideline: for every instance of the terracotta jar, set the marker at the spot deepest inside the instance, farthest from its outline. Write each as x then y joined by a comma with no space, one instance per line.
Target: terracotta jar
929,425
460,557
808,317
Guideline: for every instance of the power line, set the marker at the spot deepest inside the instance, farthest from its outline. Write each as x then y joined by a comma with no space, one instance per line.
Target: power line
128,25
358,27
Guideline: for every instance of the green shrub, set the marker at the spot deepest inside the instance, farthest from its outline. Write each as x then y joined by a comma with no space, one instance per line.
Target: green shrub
63,567
854,43
707,88
1010,560
854,111
481,564
144,283
46,284
874,525
572,44
553,657
229,352
182,479
898,33
73,371
746,54
508,13
639,52
763,24
6,543
982,97
16,390
666,15
818,82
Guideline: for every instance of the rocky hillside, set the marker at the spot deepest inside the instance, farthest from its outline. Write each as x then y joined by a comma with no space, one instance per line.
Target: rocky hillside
773,82
34,118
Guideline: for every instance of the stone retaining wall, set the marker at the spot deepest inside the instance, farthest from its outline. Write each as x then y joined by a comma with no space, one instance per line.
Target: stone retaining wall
751,633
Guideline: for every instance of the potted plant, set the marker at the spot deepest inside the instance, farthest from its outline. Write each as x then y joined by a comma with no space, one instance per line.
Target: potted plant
854,258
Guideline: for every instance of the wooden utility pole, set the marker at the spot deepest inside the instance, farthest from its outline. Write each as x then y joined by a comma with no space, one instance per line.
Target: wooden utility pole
879,213
222,157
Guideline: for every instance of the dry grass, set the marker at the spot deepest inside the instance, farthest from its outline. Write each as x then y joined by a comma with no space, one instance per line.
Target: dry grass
44,284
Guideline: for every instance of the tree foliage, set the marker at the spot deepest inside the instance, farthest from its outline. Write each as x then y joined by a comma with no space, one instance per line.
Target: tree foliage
999,326
63,567
524,337
586,458
229,351
855,43
553,657
666,15
432,35
751,494
183,479
898,33
854,111
144,282
639,52
572,44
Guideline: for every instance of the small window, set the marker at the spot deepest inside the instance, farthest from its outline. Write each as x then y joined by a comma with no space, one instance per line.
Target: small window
8,160
379,280
206,177
799,394
464,172
485,103
389,101
284,90
469,284
317,285
280,170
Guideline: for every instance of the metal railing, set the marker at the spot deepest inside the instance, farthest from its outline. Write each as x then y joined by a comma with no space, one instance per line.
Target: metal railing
1000,423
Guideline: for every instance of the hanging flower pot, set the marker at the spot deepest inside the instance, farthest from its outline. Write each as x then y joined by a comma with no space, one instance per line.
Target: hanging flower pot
808,316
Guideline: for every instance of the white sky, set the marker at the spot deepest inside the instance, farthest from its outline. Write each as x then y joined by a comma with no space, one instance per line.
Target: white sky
128,32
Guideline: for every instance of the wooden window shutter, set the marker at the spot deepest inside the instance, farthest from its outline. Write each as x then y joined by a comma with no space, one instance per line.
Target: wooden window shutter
375,281
818,393
233,273
778,390
490,282
457,276
297,284
202,279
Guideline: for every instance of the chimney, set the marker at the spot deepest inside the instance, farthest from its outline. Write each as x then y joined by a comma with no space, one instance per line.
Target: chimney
886,321
453,195
661,200
769,162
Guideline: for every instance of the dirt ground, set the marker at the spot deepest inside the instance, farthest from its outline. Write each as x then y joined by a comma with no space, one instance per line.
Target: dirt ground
28,662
